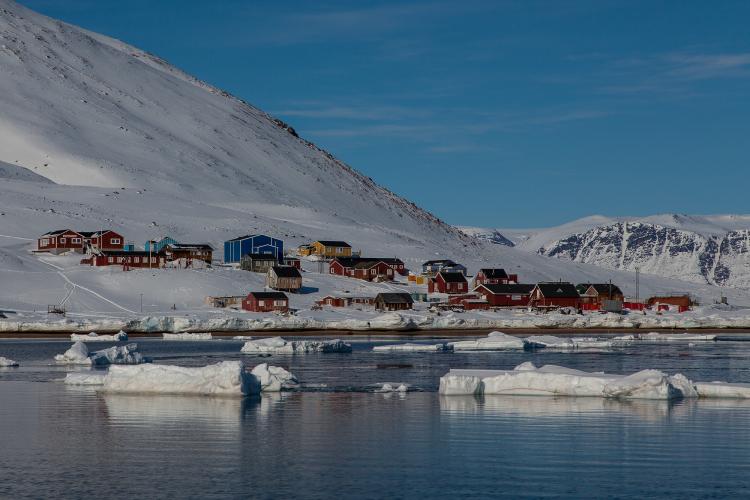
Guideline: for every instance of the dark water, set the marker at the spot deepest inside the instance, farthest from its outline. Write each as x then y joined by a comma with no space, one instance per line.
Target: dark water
339,439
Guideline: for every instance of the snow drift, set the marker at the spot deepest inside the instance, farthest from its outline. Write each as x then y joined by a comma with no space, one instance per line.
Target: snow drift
95,337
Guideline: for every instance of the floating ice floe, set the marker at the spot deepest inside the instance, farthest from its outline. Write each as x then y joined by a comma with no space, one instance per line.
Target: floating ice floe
242,337
412,348
227,378
90,378
528,380
79,354
274,378
392,387
565,343
495,341
7,363
95,337
277,345
187,336
664,337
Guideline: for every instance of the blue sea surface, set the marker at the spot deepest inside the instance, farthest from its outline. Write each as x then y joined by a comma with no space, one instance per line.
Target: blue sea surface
338,438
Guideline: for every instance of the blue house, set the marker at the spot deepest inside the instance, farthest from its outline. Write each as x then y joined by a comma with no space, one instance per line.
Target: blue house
157,246
253,243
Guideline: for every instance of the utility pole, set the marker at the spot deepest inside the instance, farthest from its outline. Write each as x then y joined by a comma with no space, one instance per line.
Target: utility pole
141,302
637,284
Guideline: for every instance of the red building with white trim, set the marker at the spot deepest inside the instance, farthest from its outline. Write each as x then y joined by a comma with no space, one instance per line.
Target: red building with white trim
60,241
556,294
266,302
506,295
138,259
361,268
494,276
448,282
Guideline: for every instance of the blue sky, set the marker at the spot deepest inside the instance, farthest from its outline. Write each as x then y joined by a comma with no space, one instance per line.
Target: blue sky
505,114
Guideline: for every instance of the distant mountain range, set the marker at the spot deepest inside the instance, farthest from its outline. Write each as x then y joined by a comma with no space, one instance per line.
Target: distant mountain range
701,249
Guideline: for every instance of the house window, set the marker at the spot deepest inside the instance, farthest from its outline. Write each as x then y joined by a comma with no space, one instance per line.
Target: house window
62,240
339,250
45,242
136,260
115,241
76,240
389,271
261,303
110,260
331,271
279,303
373,271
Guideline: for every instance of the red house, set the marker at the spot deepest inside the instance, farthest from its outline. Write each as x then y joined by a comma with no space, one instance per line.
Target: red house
291,261
127,259
494,276
266,302
557,294
506,295
367,269
103,240
448,282
397,265
60,241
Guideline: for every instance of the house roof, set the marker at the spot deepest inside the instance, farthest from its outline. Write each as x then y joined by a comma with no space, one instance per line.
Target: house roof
606,288
452,277
59,231
559,290
333,243
514,289
395,298
269,295
286,272
94,234
260,256
190,246
358,262
494,273
248,236
125,253
445,262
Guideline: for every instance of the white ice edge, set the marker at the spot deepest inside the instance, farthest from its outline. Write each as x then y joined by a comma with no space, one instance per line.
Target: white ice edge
278,345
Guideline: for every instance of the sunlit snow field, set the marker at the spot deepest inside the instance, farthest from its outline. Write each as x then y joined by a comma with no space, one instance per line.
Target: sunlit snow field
337,436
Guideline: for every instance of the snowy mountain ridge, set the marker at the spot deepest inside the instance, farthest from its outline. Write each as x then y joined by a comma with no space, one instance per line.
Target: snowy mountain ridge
712,249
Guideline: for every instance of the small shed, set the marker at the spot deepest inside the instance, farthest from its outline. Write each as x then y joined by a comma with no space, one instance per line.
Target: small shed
393,301
286,278
266,302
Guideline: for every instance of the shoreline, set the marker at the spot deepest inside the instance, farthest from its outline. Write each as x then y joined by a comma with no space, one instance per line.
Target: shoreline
428,333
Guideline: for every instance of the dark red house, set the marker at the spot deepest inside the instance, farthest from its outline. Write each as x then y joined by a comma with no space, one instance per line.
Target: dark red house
137,259
266,302
60,241
291,261
103,240
368,269
506,295
397,265
556,294
494,276
448,282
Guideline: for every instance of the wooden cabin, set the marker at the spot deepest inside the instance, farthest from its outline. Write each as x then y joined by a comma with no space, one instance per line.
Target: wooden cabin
448,282
505,295
555,294
596,293
258,263
128,260
286,278
345,301
266,302
393,301
201,251
368,269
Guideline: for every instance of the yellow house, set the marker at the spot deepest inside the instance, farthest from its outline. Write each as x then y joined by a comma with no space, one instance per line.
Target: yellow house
328,249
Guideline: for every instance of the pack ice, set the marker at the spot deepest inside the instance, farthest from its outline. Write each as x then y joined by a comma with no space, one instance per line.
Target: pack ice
95,337
277,345
7,363
664,337
187,336
412,348
550,380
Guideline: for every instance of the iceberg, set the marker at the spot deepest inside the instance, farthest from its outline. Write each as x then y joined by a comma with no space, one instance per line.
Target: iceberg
412,348
550,380
392,387
664,337
78,354
277,345
187,336
227,378
95,337
119,355
565,343
495,341
7,363
85,378
274,378
722,390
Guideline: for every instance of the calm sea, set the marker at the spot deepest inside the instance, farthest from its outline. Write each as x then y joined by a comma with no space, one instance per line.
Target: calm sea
337,438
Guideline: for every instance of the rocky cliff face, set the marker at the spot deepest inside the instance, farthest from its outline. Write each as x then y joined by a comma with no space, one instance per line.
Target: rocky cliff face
676,253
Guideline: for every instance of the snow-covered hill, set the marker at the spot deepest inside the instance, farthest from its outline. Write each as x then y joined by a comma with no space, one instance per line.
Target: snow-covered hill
702,249
95,133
